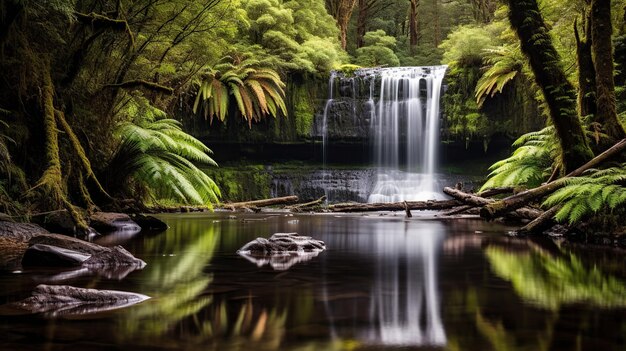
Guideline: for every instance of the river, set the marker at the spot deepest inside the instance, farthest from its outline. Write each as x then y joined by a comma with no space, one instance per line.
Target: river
385,282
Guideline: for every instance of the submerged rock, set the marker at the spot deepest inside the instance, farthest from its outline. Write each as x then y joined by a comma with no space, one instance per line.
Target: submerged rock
48,255
54,249
281,250
147,222
111,221
88,258
57,300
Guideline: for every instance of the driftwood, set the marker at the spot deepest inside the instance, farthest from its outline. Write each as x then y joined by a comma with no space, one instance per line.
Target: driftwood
396,206
263,203
299,207
511,203
541,223
496,191
407,210
477,201
458,210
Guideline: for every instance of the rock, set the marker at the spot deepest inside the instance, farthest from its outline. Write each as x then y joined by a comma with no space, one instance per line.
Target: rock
281,250
67,242
147,222
111,221
57,300
58,222
114,257
20,231
5,217
65,248
47,255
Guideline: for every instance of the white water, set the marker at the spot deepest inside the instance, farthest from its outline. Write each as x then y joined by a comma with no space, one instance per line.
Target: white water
329,102
405,130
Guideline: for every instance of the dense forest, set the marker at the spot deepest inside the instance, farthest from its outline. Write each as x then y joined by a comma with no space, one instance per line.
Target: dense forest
96,96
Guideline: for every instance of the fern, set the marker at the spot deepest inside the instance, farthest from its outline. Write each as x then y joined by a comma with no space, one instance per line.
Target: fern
530,163
505,63
258,91
594,192
156,155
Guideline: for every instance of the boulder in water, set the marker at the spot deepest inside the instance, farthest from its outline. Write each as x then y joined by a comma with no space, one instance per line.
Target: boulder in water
281,250
111,221
60,250
55,300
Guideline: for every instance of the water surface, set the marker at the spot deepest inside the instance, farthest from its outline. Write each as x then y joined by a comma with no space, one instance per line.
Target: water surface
384,282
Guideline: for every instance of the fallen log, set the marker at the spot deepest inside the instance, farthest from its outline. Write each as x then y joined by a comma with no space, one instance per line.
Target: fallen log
540,223
262,203
298,207
396,206
477,201
511,203
496,191
458,210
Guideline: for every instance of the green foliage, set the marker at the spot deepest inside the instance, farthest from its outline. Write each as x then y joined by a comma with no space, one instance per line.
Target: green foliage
505,64
378,50
466,46
597,191
297,36
550,282
257,91
530,163
156,155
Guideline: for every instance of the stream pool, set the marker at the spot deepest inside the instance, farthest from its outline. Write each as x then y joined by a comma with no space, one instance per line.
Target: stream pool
384,283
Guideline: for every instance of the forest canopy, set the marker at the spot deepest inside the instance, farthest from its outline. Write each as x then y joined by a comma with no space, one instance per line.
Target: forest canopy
93,92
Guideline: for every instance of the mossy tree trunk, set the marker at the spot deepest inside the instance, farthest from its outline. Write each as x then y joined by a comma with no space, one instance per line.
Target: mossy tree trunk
559,93
601,31
586,70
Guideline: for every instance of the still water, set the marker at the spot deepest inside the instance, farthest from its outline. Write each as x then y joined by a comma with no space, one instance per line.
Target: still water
384,283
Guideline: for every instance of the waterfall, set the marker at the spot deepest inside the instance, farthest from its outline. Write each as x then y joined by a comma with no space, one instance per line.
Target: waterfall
329,102
405,132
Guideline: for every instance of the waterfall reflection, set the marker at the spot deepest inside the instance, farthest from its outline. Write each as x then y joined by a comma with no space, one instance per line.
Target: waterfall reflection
404,301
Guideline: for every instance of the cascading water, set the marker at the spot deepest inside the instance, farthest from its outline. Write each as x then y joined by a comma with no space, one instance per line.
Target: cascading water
405,132
329,102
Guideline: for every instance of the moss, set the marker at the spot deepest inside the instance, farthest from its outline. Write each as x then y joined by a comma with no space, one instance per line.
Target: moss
303,112
242,183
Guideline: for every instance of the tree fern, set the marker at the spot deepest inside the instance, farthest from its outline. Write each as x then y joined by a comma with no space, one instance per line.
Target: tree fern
505,62
156,155
594,192
530,163
258,91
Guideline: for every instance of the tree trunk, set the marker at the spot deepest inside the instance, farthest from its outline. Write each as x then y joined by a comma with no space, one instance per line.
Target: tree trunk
586,71
361,22
559,93
437,31
413,25
344,12
601,31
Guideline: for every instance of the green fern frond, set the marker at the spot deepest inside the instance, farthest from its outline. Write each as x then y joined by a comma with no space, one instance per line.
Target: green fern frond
592,193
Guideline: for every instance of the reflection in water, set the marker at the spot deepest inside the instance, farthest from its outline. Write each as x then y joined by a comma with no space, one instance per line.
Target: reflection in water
551,280
176,280
405,290
403,301
280,262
